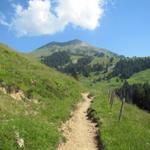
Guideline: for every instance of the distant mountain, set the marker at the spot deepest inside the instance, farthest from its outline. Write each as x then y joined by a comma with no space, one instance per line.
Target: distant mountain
75,57
76,47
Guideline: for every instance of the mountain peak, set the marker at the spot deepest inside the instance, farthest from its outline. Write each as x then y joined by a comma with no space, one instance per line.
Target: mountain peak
75,41
72,42
74,46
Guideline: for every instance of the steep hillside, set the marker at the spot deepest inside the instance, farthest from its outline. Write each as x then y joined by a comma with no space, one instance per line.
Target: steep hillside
34,100
76,58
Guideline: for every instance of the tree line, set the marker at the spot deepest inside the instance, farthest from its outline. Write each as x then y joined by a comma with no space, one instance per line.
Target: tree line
138,94
126,67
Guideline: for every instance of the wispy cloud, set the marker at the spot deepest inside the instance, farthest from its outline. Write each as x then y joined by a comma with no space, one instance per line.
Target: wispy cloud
3,20
41,17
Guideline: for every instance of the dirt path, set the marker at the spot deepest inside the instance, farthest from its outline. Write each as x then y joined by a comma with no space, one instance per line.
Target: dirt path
80,132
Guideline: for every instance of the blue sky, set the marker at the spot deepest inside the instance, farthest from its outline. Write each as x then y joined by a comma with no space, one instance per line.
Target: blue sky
122,26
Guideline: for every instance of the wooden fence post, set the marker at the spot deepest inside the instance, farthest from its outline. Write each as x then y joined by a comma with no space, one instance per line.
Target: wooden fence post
110,96
121,108
111,99
109,93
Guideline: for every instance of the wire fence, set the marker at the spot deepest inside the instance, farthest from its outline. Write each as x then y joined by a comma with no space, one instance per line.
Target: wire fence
111,99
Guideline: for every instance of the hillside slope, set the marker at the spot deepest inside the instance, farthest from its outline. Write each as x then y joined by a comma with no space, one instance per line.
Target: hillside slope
34,100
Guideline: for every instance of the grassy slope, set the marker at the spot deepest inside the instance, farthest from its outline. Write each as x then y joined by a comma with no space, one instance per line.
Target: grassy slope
37,123
131,133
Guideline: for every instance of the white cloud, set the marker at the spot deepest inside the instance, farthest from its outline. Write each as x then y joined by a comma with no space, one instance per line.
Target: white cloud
83,13
41,17
3,20
37,19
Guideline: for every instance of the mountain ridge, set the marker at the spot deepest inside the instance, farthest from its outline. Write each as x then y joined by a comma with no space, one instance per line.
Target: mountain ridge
70,45
70,42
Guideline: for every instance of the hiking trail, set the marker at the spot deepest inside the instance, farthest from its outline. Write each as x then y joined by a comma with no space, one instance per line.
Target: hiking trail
79,131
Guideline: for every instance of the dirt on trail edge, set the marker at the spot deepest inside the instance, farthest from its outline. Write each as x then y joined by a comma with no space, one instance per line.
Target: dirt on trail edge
79,131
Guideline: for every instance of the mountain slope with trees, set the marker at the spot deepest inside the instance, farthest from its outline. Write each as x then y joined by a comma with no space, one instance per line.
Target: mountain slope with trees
76,58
